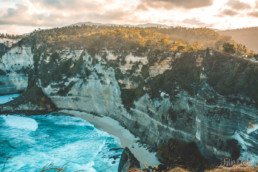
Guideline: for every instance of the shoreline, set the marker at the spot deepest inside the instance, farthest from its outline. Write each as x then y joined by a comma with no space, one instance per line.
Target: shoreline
127,139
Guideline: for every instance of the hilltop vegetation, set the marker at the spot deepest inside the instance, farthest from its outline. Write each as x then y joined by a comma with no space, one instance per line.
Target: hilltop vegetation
246,36
11,36
137,40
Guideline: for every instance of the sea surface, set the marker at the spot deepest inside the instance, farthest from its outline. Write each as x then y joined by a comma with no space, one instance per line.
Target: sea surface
31,143
6,98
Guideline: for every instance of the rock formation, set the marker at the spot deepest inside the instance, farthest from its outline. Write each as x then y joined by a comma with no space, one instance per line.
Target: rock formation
205,97
127,161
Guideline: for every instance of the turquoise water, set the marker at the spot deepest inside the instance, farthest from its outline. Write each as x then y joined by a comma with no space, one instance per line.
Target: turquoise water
7,98
58,141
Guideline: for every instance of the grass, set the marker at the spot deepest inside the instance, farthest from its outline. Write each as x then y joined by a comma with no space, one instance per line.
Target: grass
244,167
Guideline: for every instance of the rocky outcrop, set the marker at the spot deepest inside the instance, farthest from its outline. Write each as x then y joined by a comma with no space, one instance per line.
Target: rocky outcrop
15,65
204,97
182,154
32,101
127,161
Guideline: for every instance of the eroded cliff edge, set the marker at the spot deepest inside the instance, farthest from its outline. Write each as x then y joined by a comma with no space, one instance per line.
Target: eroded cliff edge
204,97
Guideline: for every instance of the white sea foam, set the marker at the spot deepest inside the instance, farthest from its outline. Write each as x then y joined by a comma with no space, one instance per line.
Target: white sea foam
89,167
127,139
8,98
68,120
76,148
20,122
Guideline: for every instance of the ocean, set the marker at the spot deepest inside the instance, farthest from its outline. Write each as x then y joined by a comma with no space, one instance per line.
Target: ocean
33,143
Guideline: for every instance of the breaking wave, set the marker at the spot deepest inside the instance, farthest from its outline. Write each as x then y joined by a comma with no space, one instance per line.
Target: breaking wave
36,142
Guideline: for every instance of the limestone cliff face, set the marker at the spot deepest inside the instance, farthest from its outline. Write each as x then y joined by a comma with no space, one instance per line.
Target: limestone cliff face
205,97
14,67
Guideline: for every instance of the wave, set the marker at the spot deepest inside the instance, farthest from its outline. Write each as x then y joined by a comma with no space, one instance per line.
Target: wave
61,140
20,122
68,120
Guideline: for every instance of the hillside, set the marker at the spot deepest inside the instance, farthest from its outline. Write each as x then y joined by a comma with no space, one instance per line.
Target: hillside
121,37
181,91
245,36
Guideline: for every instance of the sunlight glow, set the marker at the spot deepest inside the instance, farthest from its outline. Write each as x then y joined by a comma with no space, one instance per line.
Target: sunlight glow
221,14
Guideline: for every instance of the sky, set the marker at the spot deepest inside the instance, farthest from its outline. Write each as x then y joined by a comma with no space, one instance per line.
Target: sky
24,16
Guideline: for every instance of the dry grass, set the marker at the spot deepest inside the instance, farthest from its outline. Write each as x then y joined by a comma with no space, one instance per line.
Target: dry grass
178,169
245,167
134,170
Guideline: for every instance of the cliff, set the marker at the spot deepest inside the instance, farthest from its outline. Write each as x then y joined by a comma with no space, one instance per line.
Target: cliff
14,68
205,97
127,161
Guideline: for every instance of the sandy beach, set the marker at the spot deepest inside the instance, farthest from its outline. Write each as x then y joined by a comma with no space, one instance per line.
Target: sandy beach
127,139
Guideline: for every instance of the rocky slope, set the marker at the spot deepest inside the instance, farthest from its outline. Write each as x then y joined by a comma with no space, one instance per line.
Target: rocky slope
14,66
128,161
204,97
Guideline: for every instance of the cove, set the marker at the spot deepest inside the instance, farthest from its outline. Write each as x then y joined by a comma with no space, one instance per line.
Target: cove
35,142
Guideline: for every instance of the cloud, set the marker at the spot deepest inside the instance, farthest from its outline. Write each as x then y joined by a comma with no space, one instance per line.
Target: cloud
21,15
60,12
109,15
195,22
30,14
53,3
69,5
169,4
253,14
238,5
228,12
12,12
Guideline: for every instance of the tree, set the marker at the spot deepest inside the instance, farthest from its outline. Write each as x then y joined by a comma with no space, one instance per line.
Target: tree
198,45
229,48
256,56
180,48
